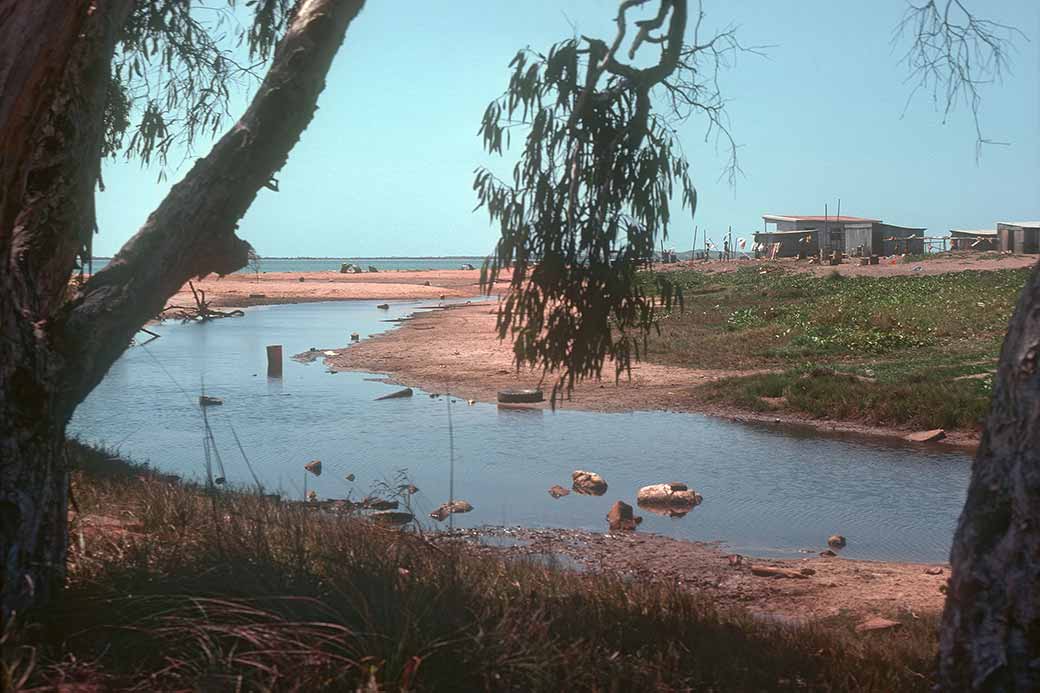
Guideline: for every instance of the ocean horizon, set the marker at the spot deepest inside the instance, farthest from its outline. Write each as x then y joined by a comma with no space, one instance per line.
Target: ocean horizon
324,264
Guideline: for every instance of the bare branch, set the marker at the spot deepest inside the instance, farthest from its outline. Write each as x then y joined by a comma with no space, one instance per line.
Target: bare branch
953,54
192,233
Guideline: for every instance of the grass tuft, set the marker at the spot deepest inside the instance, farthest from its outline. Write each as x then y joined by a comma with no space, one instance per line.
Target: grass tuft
239,592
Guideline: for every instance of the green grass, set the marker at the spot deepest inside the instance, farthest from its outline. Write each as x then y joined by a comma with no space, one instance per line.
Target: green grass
913,335
236,592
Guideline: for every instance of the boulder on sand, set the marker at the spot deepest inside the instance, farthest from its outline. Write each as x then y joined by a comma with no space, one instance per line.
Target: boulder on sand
671,495
775,572
927,436
459,506
622,517
588,483
877,623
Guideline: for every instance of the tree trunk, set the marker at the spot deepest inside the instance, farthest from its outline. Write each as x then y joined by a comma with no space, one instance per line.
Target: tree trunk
990,637
34,479
52,351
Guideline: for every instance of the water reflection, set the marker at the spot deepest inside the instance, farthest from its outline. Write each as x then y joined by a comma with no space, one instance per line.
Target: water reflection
766,491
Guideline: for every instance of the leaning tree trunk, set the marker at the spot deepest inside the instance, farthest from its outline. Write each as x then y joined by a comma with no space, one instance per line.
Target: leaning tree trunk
55,104
990,637
54,351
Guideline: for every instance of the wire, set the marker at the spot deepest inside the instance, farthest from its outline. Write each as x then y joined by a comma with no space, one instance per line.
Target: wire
451,467
259,486
163,369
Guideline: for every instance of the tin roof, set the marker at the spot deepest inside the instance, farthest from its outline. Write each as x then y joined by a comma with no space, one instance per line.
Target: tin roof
1023,224
975,232
836,219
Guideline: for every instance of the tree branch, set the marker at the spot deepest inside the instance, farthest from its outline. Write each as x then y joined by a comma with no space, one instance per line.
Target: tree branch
192,233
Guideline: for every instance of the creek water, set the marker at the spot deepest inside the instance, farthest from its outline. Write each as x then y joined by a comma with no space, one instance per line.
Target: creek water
767,491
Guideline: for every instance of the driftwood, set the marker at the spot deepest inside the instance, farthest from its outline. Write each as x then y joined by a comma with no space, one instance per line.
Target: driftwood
200,312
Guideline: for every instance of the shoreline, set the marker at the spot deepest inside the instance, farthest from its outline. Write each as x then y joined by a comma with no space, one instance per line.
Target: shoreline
824,587
457,350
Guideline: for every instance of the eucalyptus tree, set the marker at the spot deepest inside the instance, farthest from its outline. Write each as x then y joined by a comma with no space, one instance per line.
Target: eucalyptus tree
82,79
592,190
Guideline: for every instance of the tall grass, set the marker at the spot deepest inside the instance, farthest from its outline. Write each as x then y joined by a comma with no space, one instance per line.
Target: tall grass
239,592
913,335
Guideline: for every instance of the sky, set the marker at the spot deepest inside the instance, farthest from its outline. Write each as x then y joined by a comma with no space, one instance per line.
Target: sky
386,167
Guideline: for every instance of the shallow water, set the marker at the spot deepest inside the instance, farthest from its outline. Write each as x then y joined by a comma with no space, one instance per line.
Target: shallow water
767,491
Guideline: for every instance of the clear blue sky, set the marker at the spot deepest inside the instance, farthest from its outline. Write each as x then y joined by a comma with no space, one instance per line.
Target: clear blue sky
386,167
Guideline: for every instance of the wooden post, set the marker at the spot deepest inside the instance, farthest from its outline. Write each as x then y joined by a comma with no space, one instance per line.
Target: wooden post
274,361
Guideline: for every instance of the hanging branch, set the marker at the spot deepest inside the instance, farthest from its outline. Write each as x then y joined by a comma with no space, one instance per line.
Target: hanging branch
953,54
593,188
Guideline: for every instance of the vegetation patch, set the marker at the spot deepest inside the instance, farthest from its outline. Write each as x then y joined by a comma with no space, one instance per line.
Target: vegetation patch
894,350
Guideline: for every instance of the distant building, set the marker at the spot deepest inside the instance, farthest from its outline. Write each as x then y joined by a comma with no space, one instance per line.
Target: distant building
1019,236
843,234
974,239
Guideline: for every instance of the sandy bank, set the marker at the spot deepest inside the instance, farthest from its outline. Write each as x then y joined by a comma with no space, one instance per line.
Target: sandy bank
457,350
831,586
241,290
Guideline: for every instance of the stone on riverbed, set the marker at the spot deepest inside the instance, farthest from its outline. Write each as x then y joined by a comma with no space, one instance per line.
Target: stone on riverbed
622,517
672,494
588,483
459,506
558,491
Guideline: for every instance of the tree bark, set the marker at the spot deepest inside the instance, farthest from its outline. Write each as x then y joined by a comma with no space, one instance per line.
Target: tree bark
53,351
36,41
52,192
990,638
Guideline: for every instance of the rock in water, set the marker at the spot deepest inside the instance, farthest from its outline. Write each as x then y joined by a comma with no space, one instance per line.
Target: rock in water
588,483
672,494
407,392
621,517
459,506
927,436
558,491
314,467
836,541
